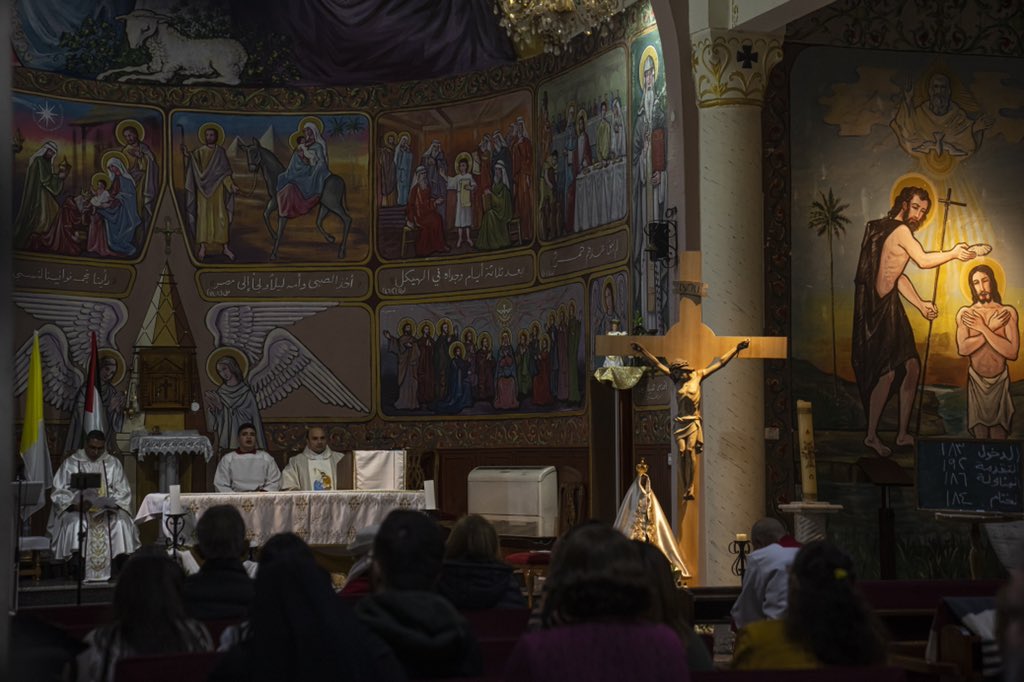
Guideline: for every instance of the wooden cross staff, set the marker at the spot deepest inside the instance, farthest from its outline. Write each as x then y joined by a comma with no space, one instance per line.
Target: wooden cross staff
689,338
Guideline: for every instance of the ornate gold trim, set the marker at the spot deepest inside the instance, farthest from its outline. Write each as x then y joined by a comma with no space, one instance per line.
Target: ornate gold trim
731,68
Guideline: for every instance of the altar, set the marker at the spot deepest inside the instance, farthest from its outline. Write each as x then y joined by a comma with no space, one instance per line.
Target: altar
320,518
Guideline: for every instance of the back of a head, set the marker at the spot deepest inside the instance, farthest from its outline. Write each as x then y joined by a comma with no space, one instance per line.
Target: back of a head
283,546
766,531
473,538
668,603
827,612
596,574
148,605
408,551
221,533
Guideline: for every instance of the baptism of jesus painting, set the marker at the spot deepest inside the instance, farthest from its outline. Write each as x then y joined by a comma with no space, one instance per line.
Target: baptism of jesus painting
907,207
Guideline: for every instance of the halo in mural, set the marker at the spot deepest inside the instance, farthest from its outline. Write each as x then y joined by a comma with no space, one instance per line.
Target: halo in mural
223,352
444,321
129,123
997,270
469,335
405,321
210,125
294,139
916,180
113,154
315,120
96,178
464,156
460,346
582,116
427,325
122,367
390,138
486,335
404,136
651,53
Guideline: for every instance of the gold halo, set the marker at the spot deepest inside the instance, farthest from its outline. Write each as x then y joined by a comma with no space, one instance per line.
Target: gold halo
545,337
506,332
651,52
916,180
582,114
536,325
122,367
113,154
315,120
224,351
443,320
425,323
294,139
457,344
405,135
485,335
390,137
464,156
207,126
129,122
96,177
405,321
997,270
563,311
469,330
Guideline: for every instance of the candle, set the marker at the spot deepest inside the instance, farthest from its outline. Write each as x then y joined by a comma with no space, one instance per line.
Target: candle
741,537
805,437
175,497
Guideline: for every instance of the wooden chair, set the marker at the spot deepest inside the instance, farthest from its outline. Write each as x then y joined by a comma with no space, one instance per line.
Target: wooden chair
409,233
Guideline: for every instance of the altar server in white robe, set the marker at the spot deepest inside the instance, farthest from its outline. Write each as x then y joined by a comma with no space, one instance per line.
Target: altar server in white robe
316,467
247,469
107,518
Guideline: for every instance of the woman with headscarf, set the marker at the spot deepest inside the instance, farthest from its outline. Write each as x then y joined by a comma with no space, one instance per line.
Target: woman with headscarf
300,186
121,214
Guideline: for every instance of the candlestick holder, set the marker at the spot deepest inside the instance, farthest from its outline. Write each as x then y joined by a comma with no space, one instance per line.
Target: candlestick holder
175,524
741,548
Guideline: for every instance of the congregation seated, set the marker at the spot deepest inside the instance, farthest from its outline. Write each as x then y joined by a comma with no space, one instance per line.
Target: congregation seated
766,580
316,467
668,607
596,617
299,630
428,635
222,589
473,576
247,469
103,512
149,618
827,623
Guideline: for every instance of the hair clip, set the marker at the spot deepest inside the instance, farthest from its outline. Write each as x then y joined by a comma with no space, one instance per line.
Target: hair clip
841,574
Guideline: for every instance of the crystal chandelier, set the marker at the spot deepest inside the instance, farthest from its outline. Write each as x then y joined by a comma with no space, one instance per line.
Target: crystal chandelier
550,24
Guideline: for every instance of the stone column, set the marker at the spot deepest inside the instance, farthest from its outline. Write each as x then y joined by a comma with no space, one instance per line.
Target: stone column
730,71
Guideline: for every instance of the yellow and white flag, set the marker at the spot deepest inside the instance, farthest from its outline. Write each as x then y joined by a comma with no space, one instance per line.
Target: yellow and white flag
34,452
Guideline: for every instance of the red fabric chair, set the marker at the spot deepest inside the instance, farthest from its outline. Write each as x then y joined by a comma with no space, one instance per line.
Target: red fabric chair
531,565
168,668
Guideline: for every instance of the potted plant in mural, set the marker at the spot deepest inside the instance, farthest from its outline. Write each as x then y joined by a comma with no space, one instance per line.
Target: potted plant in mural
827,219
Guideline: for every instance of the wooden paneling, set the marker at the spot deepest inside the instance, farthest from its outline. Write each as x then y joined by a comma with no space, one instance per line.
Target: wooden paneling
455,465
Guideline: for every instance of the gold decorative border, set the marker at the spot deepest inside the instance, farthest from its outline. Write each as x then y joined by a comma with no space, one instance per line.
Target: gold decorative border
722,77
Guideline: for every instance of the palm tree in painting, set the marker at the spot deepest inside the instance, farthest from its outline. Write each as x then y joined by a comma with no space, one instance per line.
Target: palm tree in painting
827,219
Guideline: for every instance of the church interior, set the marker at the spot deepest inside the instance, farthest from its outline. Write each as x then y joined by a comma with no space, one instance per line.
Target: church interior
352,272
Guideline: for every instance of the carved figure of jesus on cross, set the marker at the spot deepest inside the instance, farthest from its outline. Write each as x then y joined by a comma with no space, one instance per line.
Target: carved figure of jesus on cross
697,352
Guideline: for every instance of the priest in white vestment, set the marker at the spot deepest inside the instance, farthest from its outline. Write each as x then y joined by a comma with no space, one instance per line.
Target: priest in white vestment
247,469
316,468
107,517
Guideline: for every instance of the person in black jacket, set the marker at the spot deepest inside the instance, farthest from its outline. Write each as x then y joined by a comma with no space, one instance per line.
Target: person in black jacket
222,589
473,575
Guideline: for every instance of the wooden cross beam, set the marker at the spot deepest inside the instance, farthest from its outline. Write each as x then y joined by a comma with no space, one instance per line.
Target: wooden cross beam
689,338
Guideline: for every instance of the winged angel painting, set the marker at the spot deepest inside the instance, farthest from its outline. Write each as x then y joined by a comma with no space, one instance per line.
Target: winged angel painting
64,344
257,363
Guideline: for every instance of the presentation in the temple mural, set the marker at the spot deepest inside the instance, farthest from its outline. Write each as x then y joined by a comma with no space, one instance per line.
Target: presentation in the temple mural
455,180
86,177
923,157
497,356
255,189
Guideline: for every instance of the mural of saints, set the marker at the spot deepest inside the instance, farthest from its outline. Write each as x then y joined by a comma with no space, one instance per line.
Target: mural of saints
257,363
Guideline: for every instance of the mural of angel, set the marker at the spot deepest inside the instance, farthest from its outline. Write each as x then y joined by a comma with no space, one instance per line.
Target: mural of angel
257,363
64,344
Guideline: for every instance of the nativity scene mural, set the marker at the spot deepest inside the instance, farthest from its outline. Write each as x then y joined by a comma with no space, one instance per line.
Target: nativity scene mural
907,207
455,180
86,177
495,356
256,189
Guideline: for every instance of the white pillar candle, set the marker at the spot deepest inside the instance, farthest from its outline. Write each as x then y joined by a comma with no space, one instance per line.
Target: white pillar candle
805,437
175,497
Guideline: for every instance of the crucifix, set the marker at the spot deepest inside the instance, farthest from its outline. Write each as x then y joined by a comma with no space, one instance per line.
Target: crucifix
702,352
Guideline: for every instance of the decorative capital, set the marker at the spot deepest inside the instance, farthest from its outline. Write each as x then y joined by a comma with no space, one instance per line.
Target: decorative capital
731,68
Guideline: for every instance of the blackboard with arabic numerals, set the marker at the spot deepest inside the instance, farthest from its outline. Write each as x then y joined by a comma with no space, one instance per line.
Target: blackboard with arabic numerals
970,476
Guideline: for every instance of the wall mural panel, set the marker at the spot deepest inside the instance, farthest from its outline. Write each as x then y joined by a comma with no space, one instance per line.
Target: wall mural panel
86,177
253,189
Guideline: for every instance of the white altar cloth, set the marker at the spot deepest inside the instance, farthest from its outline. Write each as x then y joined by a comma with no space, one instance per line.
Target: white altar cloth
320,518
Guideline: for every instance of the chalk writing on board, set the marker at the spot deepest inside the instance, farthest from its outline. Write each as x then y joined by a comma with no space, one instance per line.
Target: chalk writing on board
970,475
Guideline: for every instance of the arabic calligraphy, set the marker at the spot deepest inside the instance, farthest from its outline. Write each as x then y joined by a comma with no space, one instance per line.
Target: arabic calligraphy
402,281
29,275
317,284
585,255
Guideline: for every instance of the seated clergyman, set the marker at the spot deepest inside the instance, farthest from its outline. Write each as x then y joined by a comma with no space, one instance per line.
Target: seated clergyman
247,469
316,467
103,512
